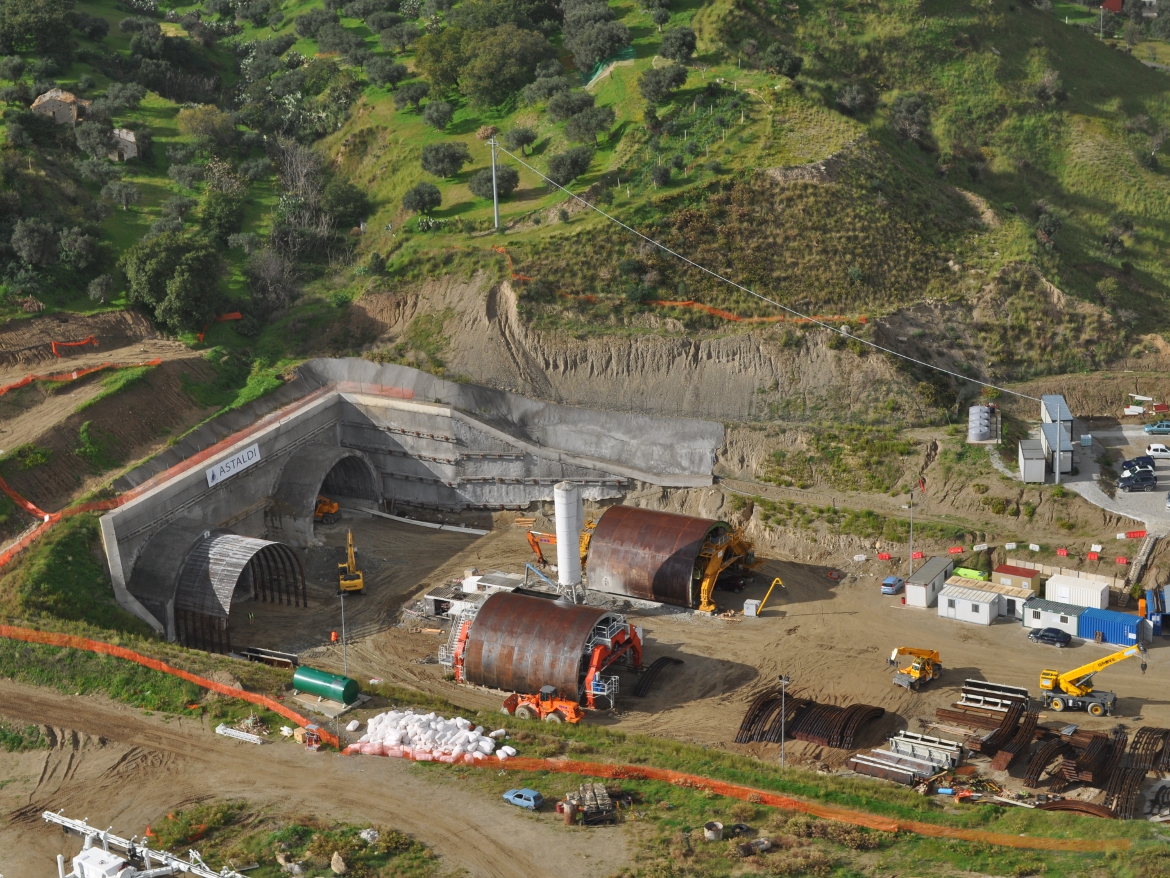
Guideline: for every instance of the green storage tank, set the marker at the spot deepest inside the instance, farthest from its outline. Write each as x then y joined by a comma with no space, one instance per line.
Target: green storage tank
325,685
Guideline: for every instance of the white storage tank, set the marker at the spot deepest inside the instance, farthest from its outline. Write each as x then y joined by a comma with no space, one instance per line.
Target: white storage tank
1064,589
978,423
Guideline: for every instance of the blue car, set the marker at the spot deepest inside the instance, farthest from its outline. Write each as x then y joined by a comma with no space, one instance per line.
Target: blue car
1162,428
525,798
893,585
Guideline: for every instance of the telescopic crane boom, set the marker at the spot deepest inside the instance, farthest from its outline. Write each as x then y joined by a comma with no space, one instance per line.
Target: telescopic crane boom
927,666
1073,690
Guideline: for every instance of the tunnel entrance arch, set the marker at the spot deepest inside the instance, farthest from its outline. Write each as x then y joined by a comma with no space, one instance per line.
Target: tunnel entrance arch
339,473
225,569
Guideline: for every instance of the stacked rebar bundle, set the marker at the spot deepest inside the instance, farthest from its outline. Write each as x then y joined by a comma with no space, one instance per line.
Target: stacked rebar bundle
1019,743
804,720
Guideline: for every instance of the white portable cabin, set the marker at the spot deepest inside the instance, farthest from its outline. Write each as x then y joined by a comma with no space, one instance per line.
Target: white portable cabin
1050,436
1039,613
968,605
1032,461
924,584
1080,592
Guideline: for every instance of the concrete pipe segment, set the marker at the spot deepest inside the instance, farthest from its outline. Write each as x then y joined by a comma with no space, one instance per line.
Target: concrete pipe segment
649,555
519,643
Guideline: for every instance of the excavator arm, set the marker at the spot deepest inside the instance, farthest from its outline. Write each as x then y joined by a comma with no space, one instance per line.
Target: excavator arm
1079,681
720,553
536,539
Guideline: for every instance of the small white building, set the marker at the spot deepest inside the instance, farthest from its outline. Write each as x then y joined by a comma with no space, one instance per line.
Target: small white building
1054,410
1080,592
924,584
1032,464
1039,613
124,145
1052,435
968,605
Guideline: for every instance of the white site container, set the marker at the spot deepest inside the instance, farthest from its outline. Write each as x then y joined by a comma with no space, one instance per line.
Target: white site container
924,584
751,608
1063,589
968,605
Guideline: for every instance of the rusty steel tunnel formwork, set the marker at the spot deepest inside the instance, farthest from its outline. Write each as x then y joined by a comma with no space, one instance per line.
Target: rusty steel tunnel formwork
224,569
649,555
519,643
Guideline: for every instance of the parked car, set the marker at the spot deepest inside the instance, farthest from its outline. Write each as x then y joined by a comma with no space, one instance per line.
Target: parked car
1130,467
1142,480
1162,428
1051,636
524,798
1157,450
893,584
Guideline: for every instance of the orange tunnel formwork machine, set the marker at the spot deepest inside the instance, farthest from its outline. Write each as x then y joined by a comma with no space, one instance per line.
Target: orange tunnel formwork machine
519,643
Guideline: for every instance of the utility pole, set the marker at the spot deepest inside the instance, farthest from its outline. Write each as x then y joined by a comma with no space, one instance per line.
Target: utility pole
911,532
344,661
784,681
495,194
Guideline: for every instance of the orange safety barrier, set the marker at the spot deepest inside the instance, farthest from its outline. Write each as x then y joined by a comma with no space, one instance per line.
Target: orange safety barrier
72,344
70,641
231,315
511,270
74,375
727,315
613,771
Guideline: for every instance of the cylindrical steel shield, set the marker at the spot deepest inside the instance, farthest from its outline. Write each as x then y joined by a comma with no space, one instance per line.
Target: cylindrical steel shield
520,643
647,554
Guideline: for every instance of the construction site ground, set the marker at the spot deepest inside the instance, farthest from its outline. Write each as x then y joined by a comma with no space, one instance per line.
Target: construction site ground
118,766
831,637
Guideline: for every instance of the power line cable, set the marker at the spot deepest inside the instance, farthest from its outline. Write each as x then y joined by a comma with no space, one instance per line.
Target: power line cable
759,296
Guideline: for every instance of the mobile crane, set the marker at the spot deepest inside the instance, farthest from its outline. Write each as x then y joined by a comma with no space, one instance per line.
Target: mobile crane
925,667
1074,690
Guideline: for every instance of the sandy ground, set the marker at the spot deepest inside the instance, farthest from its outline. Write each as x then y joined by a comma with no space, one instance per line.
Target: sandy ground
115,766
832,639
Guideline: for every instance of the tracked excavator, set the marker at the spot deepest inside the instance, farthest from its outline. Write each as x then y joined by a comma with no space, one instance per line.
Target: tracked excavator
926,666
349,578
327,511
1073,690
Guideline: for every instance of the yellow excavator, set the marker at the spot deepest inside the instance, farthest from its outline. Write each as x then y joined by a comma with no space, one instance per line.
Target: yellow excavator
1074,690
349,578
926,666
327,511
718,554
536,539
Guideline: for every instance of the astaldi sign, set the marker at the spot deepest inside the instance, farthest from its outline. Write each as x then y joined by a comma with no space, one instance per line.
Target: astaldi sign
228,467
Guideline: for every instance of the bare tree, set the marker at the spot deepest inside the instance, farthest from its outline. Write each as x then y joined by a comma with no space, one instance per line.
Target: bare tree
300,170
272,280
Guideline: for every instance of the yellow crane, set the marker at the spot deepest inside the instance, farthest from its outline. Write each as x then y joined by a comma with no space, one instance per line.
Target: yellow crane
718,554
927,666
1073,690
349,578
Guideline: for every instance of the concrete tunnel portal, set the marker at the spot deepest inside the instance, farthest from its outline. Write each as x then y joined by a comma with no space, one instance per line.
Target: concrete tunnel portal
360,434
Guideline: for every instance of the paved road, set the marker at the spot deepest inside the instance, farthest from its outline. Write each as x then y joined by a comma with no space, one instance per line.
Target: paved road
1124,442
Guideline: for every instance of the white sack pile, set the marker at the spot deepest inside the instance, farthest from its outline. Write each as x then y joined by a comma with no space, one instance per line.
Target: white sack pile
428,737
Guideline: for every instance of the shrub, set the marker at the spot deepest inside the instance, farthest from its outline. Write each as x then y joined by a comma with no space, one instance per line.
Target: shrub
778,59
438,114
445,159
507,179
567,166
910,117
423,198
660,175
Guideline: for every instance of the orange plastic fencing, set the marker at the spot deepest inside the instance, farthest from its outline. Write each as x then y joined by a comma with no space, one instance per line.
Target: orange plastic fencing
51,638
775,800
74,375
72,344
780,318
511,270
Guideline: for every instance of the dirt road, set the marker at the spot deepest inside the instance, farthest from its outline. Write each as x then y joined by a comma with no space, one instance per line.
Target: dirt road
115,766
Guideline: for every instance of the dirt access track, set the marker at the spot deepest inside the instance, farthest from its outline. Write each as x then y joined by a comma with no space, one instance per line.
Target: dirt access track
113,765
121,337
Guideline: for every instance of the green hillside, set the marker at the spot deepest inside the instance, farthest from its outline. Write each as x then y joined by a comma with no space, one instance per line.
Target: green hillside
968,146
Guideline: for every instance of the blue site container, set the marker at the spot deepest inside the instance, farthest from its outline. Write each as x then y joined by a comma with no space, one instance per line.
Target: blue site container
1122,629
